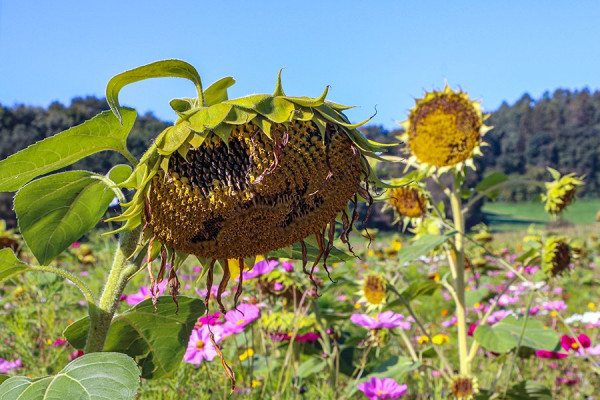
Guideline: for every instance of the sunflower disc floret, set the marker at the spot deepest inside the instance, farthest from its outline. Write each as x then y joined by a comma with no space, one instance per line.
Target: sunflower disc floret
444,129
464,386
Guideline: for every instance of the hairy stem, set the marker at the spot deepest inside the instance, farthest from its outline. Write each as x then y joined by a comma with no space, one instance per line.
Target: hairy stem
101,316
458,262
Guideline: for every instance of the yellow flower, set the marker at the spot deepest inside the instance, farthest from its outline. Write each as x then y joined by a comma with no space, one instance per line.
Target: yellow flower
440,338
247,354
255,383
444,129
591,306
373,290
556,256
464,387
422,339
561,192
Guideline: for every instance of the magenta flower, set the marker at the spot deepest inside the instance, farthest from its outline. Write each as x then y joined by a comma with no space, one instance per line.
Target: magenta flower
569,343
236,320
75,354
287,266
200,347
213,292
451,322
279,336
472,328
385,388
211,319
277,286
7,366
557,305
261,268
144,293
59,342
307,337
554,355
386,319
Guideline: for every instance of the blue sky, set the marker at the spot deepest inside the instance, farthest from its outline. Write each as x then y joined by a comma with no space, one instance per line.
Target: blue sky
372,53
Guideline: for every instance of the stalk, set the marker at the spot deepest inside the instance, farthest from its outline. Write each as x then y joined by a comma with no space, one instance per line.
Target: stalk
458,264
102,315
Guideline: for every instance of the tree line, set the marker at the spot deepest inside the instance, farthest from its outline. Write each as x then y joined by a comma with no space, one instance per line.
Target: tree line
560,130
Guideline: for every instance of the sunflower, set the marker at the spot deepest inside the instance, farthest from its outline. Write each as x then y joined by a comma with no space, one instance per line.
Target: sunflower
444,131
560,192
233,179
556,256
408,199
464,387
373,291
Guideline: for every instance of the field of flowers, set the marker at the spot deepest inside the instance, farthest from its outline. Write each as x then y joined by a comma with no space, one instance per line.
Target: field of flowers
352,337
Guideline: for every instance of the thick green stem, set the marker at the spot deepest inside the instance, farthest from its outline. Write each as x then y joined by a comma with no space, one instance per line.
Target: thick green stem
101,316
458,262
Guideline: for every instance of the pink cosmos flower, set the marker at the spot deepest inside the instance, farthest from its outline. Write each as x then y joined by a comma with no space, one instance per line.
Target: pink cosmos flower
506,300
236,320
307,337
569,342
144,293
279,336
557,305
200,347
197,269
386,319
498,316
472,328
385,388
260,268
593,351
59,342
213,292
554,355
211,319
287,266
277,286
7,366
452,321
75,354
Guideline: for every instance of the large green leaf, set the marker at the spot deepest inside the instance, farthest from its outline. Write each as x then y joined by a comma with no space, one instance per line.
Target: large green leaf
103,132
158,69
56,210
504,336
10,265
157,340
313,365
421,247
95,376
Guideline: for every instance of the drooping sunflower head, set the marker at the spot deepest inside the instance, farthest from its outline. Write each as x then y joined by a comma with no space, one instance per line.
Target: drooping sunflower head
464,386
556,256
232,179
444,130
560,192
9,238
373,291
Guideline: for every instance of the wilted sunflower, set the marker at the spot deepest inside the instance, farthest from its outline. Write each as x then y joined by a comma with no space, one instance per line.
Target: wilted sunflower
444,130
232,179
373,291
556,256
560,192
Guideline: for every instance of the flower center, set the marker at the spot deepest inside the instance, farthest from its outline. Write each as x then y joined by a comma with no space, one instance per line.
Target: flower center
240,322
199,345
374,289
380,392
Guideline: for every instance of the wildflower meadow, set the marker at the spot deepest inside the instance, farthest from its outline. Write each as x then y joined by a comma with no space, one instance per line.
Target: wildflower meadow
233,259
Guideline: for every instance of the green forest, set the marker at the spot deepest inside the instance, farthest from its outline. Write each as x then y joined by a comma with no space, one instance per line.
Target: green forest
560,130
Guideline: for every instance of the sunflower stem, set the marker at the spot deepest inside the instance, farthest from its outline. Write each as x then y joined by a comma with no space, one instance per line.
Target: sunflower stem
102,315
458,261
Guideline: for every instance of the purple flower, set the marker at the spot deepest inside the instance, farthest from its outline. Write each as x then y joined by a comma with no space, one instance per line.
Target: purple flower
557,305
261,268
236,320
452,321
213,292
498,316
307,337
59,342
386,319
385,388
7,366
211,319
144,293
287,266
200,347
277,286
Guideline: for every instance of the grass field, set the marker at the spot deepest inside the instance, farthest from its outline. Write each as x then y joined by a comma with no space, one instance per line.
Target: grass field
505,216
